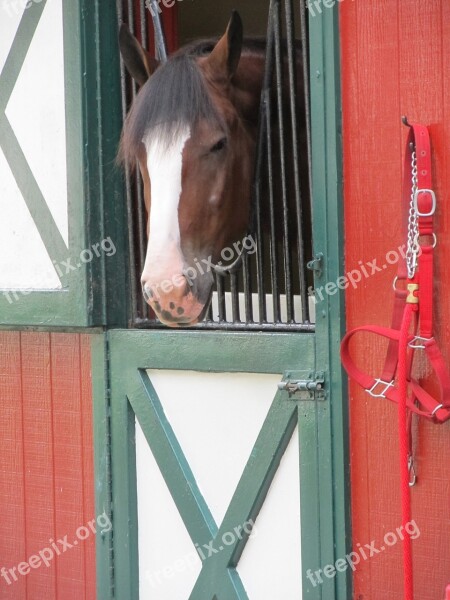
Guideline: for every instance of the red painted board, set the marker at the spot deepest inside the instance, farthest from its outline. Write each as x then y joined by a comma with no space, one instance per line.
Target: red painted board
395,60
46,467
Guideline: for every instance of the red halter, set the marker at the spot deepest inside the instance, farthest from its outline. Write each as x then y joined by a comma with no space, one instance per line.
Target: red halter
412,305
418,293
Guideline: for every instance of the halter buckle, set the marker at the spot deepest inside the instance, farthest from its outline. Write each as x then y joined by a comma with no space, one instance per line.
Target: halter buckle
433,205
382,394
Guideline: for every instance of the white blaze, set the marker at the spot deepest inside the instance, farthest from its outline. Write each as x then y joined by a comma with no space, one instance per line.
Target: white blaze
164,164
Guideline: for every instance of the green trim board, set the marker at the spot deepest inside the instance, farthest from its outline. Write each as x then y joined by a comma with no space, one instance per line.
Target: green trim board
95,199
331,478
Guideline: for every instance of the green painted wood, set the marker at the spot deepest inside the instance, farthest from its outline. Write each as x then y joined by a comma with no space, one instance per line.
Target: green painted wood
104,209
216,351
130,387
18,52
66,307
95,292
218,575
102,464
331,418
172,461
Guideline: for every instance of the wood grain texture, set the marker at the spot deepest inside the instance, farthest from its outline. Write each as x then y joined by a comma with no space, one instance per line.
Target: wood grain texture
46,463
395,61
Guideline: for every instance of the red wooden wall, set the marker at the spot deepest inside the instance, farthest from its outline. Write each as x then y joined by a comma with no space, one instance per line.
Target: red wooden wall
395,61
46,464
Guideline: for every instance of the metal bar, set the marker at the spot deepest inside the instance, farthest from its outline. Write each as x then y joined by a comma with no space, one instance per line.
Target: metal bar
279,92
261,148
160,40
273,237
221,299
226,326
247,281
291,54
235,313
306,89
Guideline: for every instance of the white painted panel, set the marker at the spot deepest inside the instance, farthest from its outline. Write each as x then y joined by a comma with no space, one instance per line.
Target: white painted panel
168,562
24,262
216,418
270,566
36,111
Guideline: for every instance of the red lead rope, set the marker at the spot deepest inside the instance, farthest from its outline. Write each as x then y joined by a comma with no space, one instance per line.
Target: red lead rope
404,433
411,326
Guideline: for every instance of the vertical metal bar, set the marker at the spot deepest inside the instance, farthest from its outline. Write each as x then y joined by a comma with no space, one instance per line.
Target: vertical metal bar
273,233
160,40
291,51
261,148
279,90
306,89
247,281
221,299
235,312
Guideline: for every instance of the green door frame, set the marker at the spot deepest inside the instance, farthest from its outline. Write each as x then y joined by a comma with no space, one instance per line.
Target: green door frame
120,358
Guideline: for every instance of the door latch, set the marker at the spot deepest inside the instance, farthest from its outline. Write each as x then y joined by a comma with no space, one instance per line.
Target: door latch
304,385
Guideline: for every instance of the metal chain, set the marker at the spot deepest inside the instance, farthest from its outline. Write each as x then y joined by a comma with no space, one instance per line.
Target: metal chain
413,248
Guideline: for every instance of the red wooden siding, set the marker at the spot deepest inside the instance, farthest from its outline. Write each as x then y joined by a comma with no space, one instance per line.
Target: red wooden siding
46,463
395,61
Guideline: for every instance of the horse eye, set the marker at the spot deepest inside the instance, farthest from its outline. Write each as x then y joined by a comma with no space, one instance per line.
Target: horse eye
220,145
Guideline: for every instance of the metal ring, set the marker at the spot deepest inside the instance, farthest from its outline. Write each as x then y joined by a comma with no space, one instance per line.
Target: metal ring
434,236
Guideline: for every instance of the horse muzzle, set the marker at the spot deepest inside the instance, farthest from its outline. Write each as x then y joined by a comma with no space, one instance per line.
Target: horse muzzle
178,302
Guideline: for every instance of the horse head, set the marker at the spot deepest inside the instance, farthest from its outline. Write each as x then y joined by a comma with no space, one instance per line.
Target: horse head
192,129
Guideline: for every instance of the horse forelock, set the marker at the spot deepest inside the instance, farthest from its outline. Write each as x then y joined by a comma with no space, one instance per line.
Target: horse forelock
174,97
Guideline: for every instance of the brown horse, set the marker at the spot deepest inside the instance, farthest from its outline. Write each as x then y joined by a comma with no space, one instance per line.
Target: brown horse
193,128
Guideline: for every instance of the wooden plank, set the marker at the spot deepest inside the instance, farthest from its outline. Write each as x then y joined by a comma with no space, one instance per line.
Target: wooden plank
68,463
12,494
46,463
38,458
88,462
395,60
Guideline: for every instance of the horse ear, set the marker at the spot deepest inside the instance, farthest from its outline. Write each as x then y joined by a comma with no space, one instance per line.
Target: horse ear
224,58
138,61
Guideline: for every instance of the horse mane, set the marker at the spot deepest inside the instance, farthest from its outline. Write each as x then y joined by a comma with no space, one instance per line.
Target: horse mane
174,97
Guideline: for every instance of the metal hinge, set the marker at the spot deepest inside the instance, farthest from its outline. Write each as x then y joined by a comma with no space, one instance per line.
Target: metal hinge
304,385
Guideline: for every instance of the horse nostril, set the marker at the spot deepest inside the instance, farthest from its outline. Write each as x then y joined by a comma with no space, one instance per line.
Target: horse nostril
147,293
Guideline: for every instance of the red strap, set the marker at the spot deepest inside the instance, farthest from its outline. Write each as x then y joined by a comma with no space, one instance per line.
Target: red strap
404,449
